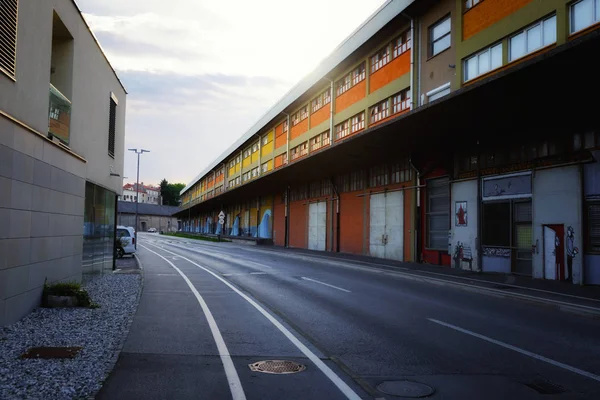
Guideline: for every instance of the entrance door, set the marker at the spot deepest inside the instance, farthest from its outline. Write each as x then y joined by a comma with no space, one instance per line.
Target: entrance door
387,226
549,253
317,225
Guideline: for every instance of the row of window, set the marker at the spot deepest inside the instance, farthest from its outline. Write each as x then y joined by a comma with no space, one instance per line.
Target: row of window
319,141
395,48
397,103
322,100
351,79
350,126
299,151
301,115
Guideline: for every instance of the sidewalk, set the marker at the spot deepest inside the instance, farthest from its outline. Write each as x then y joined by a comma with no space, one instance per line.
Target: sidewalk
547,291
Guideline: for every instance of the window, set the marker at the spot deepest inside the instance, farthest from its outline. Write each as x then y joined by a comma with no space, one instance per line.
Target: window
343,85
265,140
247,153
378,176
255,147
471,3
381,58
265,167
401,101
237,160
315,143
402,44
541,34
325,138
112,118
483,62
303,149
254,172
438,213
439,36
401,172
593,227
342,130
380,111
322,100
584,13
8,37
358,122
285,126
304,113
359,74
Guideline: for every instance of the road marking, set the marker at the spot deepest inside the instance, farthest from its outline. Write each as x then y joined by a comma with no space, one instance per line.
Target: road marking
336,380
326,284
235,386
519,350
258,273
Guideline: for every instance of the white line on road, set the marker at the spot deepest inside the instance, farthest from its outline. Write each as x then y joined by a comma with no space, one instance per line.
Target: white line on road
258,273
336,380
326,284
235,385
519,350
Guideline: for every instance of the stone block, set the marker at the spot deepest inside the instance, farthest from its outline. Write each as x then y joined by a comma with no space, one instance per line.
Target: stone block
22,167
41,199
40,224
17,252
7,132
4,225
19,306
28,143
5,192
45,248
20,224
6,161
15,281
42,173
21,195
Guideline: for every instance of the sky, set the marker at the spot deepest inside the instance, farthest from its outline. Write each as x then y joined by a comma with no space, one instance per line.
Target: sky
200,73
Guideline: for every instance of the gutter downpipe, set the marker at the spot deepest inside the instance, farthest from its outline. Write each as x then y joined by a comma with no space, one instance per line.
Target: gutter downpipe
412,59
418,210
337,218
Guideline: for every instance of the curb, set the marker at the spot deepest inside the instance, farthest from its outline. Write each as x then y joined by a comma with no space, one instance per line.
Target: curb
572,308
113,361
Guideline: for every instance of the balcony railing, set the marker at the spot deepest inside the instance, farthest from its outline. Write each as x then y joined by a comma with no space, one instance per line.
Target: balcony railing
59,116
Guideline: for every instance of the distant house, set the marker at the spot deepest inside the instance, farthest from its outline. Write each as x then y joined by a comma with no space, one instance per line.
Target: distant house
147,193
149,216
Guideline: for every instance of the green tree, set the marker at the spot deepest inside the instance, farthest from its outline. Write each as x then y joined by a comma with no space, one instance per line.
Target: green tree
170,192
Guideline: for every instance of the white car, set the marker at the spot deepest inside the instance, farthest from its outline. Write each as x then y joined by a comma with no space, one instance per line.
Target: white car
127,236
152,230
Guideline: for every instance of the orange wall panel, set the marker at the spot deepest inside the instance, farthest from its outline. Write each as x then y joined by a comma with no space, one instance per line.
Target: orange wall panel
322,114
278,161
487,13
298,221
299,129
280,136
351,223
390,72
351,96
279,222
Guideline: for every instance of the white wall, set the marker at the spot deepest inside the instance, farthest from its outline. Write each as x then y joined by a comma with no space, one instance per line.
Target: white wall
557,200
466,235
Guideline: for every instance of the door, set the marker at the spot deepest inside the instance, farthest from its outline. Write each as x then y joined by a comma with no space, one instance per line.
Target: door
386,239
317,225
549,253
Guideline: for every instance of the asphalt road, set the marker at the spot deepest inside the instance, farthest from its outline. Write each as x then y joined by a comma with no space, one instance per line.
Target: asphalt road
354,327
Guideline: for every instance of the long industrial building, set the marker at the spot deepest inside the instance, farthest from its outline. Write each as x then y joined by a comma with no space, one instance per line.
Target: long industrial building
450,132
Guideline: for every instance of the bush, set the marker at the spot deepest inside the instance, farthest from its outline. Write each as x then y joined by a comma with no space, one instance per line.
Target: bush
68,289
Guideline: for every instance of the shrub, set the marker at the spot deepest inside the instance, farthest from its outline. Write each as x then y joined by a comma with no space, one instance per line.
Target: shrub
68,289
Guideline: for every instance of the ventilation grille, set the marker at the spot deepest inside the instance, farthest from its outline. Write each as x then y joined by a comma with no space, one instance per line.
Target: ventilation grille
111,128
8,36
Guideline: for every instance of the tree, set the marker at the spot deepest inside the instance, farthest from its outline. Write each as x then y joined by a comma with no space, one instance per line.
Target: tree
170,192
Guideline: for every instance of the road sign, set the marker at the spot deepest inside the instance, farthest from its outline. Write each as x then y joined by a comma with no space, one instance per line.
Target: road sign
221,218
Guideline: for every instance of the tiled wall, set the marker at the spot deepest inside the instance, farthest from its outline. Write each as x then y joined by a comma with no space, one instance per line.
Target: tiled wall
42,191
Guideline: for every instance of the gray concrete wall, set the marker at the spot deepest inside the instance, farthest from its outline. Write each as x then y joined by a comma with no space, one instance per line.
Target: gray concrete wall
42,186
152,221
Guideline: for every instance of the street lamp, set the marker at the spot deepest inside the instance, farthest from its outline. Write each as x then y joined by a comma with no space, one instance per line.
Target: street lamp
137,188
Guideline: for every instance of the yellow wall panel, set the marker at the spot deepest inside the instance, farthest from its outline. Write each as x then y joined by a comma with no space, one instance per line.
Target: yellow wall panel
267,148
246,162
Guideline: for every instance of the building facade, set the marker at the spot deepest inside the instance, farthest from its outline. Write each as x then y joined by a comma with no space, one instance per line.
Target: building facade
451,132
147,193
62,114
161,218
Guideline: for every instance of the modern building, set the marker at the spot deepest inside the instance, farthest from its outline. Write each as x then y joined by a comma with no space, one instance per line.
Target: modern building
451,132
62,115
154,216
147,194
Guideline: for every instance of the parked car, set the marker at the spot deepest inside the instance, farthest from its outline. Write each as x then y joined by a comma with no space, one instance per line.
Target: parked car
152,230
126,237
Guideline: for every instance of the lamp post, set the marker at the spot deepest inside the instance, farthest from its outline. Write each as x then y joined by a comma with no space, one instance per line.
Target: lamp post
137,188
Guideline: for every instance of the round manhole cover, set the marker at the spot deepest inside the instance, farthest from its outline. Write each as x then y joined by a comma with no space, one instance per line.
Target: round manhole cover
277,367
408,389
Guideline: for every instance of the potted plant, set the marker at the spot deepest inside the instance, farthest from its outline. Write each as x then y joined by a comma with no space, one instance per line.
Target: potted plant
66,294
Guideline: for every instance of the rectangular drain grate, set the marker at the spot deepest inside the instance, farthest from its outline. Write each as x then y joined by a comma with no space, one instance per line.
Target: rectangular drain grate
545,387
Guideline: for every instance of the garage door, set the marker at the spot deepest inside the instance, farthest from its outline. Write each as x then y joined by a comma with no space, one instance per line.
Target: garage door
386,239
317,225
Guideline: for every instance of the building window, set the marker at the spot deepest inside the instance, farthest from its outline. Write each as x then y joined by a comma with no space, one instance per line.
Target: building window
483,62
285,126
265,167
379,176
342,130
322,100
471,3
254,172
343,84
401,172
439,36
358,122
8,37
381,58
534,37
380,111
593,227
402,44
112,121
255,147
584,13
247,153
359,74
438,213
401,101
265,140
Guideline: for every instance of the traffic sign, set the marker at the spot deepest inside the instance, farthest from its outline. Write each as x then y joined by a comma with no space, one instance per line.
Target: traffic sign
221,218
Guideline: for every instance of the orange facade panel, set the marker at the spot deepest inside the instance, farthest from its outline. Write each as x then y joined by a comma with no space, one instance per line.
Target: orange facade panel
279,161
298,220
390,72
352,211
351,96
280,136
488,12
322,114
279,222
299,129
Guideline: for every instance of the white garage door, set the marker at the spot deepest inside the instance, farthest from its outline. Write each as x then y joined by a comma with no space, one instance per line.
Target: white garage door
386,238
317,225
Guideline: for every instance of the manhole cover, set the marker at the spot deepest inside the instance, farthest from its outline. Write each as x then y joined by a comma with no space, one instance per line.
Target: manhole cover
408,389
51,352
277,367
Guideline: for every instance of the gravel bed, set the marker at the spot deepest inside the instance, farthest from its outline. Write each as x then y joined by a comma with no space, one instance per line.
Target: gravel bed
101,332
